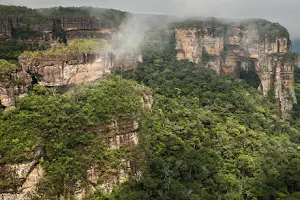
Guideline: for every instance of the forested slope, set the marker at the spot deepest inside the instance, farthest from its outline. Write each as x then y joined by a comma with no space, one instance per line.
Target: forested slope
211,137
205,137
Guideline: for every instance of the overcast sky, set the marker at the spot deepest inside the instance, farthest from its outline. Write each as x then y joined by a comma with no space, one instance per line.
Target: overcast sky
286,12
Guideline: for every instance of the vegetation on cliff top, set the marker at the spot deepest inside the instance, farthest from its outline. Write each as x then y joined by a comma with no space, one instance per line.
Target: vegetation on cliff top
207,136
210,137
220,27
29,16
286,58
265,27
7,67
57,124
109,17
76,46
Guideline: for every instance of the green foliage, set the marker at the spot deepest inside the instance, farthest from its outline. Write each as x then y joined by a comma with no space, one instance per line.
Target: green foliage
296,107
206,57
249,75
88,45
196,23
265,27
110,17
58,12
6,67
76,46
24,33
58,31
30,16
206,137
12,49
57,124
210,137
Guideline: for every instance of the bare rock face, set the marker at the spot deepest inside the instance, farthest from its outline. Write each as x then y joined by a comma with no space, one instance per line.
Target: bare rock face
19,181
27,175
5,28
190,44
75,68
13,87
73,24
81,23
227,48
67,70
17,21
284,84
119,134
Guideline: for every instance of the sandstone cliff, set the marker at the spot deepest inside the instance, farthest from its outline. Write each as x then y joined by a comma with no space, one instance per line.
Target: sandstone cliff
119,137
20,181
226,48
76,68
13,84
64,66
49,25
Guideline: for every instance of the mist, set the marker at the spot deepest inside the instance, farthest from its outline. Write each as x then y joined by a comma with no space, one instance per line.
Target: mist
283,12
133,30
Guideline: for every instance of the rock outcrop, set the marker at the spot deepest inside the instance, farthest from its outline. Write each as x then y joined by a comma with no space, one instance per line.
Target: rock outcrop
75,68
33,25
119,134
227,48
20,181
12,87
61,70
62,66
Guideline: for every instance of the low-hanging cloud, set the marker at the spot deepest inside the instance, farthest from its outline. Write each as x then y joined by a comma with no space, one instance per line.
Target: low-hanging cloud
284,12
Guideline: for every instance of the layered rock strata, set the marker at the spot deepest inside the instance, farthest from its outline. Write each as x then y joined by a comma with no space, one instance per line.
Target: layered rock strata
12,87
20,181
75,68
226,49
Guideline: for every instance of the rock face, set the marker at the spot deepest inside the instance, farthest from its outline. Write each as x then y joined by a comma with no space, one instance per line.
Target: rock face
13,87
226,49
9,24
20,181
68,70
119,134
72,24
75,68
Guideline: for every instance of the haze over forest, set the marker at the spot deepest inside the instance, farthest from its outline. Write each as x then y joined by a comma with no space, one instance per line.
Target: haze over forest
283,12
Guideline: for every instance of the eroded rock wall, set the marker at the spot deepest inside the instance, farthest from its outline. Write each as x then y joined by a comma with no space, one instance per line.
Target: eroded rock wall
13,87
76,68
75,26
227,48
20,180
